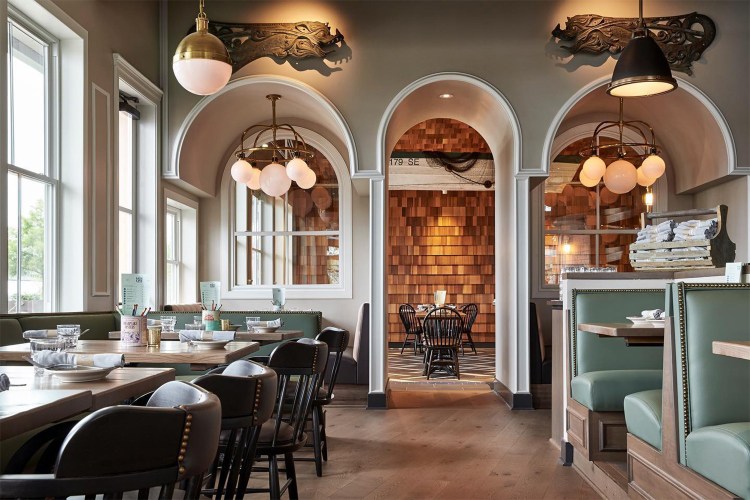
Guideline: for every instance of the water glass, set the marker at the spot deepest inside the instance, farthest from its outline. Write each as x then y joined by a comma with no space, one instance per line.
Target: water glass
251,321
167,323
68,335
39,345
198,320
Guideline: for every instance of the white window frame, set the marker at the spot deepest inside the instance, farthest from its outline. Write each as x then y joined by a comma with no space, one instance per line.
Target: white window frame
133,212
51,175
175,237
342,290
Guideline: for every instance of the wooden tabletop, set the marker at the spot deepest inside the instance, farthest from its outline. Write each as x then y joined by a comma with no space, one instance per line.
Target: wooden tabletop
167,352
633,335
735,349
42,400
423,314
260,338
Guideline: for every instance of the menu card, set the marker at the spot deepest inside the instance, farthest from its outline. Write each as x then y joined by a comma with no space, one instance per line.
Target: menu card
136,289
210,293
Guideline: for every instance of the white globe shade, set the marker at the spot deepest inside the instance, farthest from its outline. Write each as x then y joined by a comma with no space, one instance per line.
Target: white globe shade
653,166
254,182
643,179
620,176
296,168
308,180
273,180
587,181
321,197
202,76
594,168
241,171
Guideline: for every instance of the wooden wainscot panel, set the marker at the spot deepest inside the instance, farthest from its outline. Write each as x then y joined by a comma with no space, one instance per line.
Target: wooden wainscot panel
649,482
610,433
578,423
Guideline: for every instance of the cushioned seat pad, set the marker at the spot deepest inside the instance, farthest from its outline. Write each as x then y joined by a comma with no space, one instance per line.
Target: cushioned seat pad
605,390
722,454
643,416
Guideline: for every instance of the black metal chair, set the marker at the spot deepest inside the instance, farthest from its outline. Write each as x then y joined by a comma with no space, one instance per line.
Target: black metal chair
412,327
443,328
247,392
127,448
337,340
470,315
300,367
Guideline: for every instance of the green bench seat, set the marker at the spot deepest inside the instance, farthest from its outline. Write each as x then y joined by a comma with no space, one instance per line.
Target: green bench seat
606,390
721,453
643,416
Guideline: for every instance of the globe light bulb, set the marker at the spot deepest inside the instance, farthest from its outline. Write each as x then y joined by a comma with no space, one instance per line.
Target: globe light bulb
254,182
653,166
308,180
643,179
594,168
586,181
273,180
241,171
296,168
620,176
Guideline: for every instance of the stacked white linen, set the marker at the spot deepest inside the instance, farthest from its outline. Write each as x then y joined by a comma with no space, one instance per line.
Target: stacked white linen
103,360
656,234
188,335
696,230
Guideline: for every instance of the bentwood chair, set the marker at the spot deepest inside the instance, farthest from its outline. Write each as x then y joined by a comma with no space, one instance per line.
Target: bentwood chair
337,340
299,366
470,312
412,327
443,328
126,448
247,392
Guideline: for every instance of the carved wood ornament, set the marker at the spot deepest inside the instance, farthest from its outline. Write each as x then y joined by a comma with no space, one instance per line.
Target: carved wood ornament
247,42
682,38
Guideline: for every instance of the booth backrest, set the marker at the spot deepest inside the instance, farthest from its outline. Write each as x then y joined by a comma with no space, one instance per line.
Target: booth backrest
361,344
310,322
589,352
99,323
711,389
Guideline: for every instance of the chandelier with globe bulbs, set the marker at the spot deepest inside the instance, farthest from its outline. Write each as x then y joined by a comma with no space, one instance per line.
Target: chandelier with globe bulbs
621,176
273,179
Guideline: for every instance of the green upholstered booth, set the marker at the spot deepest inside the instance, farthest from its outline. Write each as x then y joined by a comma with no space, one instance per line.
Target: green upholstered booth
605,370
643,416
100,324
713,391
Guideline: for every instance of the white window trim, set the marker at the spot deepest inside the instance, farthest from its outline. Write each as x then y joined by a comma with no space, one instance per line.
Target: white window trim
343,290
188,243
176,237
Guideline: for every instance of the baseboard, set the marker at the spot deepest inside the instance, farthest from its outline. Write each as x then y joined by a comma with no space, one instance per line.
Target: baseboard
566,453
377,401
514,400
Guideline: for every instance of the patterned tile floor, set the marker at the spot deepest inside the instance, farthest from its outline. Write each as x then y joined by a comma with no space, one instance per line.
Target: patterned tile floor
405,371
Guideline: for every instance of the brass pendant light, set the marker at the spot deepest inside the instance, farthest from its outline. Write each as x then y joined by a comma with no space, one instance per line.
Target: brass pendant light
642,69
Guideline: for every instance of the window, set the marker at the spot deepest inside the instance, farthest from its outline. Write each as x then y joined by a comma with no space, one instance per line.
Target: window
586,226
32,167
173,271
292,240
126,181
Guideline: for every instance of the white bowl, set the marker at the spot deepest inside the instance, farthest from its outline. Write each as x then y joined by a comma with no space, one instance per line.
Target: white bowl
639,320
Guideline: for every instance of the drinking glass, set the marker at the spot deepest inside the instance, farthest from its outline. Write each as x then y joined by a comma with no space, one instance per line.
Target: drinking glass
197,320
167,323
68,335
251,321
39,345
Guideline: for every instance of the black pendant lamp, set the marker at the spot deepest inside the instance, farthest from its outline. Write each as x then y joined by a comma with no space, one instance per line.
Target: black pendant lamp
642,69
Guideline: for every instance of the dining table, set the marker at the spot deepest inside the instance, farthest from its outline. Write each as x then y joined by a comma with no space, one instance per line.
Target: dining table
241,335
168,352
634,335
734,349
33,401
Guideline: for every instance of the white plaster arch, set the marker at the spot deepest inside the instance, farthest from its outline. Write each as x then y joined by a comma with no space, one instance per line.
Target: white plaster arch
219,111
482,106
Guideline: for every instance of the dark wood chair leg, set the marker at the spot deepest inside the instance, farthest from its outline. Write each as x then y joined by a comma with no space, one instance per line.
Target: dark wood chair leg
458,371
247,463
273,477
471,342
167,492
291,476
323,437
317,440
193,487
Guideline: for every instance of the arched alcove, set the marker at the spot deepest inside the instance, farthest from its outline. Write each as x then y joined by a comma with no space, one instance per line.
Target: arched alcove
484,108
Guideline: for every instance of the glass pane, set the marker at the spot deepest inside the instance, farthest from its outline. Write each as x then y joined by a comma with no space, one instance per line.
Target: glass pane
28,94
170,236
125,161
316,209
125,242
13,285
172,283
35,249
622,211
613,251
567,203
315,260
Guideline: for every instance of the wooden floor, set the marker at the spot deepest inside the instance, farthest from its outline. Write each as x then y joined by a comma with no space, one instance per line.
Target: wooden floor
441,444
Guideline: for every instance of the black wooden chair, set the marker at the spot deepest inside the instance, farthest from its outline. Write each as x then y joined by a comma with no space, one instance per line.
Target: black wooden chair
443,328
300,367
126,448
247,392
336,339
412,327
470,315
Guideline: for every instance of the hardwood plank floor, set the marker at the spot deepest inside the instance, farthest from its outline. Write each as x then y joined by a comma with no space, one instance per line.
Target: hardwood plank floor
440,444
